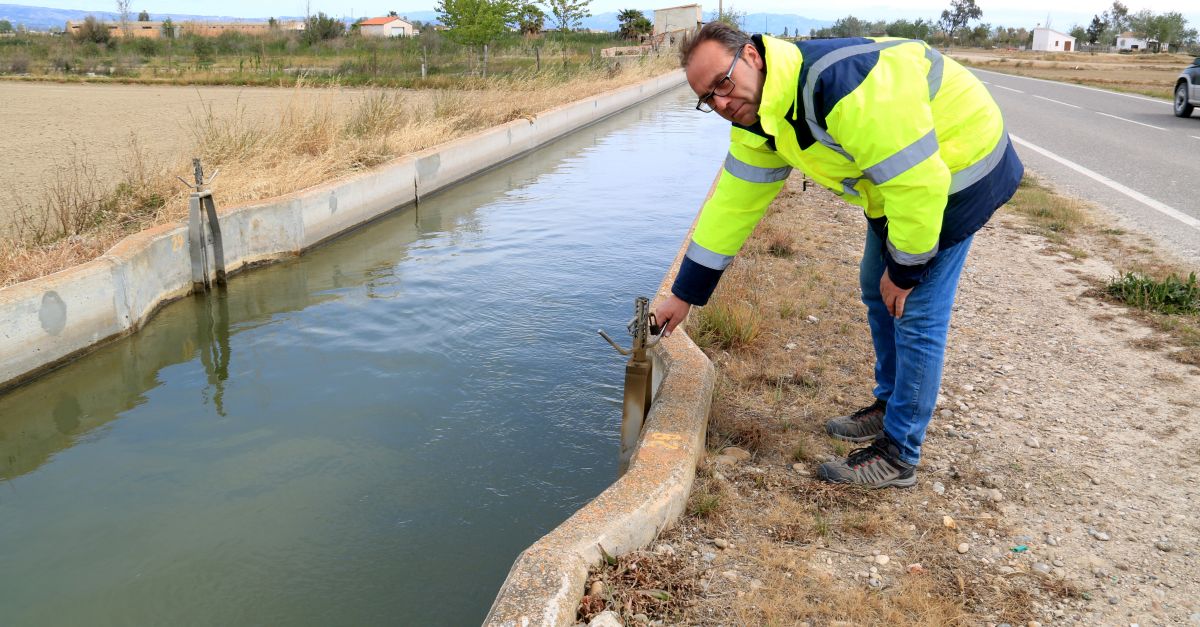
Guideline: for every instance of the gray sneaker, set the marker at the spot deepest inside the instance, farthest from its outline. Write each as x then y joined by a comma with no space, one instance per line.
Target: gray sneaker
874,466
861,426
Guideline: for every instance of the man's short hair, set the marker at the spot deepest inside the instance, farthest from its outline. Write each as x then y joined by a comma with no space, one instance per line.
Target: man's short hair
729,37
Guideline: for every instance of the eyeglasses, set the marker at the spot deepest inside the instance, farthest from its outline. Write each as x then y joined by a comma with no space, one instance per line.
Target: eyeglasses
723,87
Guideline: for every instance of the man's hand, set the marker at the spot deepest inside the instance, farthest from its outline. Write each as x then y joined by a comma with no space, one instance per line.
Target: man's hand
893,296
671,314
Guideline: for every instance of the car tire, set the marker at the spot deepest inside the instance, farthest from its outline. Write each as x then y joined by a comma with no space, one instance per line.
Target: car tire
1183,108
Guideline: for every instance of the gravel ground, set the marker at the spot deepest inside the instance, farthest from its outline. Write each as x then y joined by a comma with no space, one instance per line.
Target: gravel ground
1060,477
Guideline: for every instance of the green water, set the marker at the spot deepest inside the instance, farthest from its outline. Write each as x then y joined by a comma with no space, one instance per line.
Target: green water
369,434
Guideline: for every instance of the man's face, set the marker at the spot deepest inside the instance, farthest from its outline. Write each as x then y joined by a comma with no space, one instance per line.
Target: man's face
708,65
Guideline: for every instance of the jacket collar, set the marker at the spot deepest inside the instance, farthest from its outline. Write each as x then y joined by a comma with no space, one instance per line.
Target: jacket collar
784,62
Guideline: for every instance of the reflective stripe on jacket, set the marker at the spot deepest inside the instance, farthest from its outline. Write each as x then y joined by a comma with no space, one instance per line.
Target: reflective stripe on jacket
889,125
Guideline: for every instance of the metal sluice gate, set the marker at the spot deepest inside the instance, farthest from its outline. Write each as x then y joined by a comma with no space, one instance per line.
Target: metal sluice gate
639,377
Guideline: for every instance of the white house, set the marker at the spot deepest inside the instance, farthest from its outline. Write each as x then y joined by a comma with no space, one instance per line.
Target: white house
1048,40
385,27
1133,43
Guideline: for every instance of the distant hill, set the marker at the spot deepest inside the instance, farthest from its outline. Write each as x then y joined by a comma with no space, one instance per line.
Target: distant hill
42,18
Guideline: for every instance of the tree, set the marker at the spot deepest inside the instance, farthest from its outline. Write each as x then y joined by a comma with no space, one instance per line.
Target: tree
1118,17
918,29
529,18
93,30
848,26
168,29
1167,28
730,16
1079,33
123,10
144,16
568,14
6,26
633,24
1096,29
321,27
785,32
960,13
272,23
474,22
393,14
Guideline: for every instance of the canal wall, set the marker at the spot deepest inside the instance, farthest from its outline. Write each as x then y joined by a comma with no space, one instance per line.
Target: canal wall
547,580
55,319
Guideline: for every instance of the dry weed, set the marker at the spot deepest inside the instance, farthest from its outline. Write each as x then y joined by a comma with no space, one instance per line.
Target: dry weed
308,145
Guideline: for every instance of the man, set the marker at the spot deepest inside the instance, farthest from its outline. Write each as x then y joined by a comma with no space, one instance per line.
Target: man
889,125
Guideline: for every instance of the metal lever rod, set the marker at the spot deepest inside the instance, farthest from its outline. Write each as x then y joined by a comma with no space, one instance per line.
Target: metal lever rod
639,377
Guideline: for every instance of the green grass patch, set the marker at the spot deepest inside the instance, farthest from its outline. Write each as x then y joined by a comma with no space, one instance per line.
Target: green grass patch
1170,295
725,325
704,504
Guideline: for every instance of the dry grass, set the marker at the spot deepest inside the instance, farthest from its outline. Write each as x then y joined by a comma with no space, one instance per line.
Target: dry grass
1053,216
80,216
1148,74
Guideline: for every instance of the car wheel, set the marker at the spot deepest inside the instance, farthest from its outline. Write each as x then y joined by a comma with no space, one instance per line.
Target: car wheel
1183,109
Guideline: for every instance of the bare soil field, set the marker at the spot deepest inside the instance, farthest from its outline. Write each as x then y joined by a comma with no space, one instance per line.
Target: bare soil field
51,125
1058,483
1148,74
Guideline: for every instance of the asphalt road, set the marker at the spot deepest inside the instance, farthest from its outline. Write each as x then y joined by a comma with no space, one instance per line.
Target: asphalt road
1126,153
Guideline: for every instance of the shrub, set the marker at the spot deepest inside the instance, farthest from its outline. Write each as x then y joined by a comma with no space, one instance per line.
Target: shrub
93,30
19,64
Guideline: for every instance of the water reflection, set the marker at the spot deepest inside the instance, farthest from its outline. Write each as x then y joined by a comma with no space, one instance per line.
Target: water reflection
346,436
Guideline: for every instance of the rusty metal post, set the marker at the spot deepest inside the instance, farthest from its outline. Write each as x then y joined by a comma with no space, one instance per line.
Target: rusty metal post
639,377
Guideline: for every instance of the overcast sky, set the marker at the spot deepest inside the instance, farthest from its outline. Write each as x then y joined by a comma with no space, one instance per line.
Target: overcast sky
1027,13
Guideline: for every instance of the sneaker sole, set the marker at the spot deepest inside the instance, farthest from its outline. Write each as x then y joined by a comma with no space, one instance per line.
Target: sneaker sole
891,483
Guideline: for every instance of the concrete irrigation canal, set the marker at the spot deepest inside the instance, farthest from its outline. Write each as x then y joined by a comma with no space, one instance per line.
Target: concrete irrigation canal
369,433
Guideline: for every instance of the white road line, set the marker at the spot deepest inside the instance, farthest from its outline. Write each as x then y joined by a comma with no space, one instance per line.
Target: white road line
1100,178
1169,103
1117,117
1008,88
1194,136
1065,104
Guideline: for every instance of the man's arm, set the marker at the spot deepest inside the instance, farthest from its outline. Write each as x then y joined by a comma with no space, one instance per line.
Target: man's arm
750,180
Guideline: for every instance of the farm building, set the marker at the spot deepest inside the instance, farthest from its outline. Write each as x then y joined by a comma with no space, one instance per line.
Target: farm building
142,30
1130,42
154,30
386,27
682,18
1048,40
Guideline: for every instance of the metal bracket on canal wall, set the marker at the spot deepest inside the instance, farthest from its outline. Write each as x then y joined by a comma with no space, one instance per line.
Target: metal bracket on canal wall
546,582
55,319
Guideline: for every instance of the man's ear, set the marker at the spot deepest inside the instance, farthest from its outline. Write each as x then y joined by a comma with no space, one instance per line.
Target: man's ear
755,59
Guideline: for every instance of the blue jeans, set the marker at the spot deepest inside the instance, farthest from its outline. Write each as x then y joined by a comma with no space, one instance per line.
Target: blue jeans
909,350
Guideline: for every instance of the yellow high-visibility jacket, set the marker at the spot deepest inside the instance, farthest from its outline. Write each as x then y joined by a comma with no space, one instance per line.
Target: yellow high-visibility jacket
888,124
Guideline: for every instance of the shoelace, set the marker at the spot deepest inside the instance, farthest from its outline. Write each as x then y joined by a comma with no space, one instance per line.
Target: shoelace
865,413
860,456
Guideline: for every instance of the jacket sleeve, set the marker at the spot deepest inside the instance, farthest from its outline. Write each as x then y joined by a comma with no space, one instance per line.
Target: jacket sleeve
750,180
886,126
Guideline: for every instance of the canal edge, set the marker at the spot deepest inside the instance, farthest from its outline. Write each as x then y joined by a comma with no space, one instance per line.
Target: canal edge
546,581
56,319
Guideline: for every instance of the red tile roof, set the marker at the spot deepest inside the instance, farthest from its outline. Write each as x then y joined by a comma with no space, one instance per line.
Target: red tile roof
379,21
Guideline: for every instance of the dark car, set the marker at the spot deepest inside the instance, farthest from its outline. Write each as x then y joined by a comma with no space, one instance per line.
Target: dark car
1187,90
